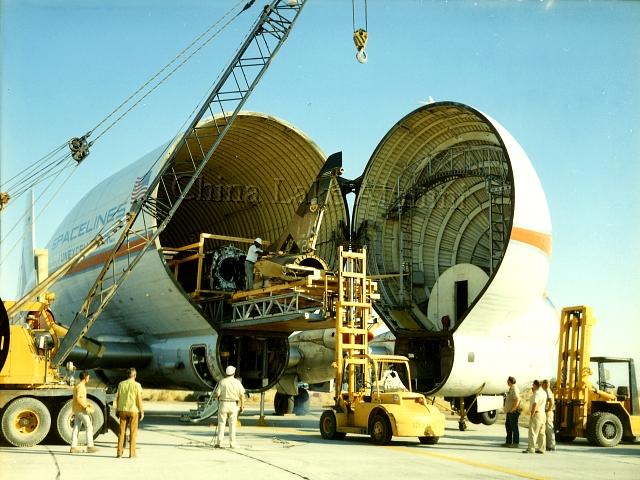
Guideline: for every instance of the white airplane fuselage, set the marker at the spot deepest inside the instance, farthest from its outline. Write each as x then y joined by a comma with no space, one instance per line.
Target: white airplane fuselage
503,326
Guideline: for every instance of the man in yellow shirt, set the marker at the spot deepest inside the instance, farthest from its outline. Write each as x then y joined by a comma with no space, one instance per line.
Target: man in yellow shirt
128,407
81,409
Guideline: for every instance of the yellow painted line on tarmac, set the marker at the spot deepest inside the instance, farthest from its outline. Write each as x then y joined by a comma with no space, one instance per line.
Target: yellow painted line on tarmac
473,463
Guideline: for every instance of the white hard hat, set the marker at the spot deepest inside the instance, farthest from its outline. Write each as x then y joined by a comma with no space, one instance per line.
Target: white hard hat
231,370
258,240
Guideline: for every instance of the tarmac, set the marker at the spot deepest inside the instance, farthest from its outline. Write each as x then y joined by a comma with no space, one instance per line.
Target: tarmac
290,447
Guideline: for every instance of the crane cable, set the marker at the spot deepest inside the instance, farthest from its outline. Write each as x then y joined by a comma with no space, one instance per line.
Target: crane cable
360,35
174,60
45,168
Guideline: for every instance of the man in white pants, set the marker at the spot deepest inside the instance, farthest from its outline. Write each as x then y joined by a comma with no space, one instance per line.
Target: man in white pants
550,407
538,420
81,408
230,395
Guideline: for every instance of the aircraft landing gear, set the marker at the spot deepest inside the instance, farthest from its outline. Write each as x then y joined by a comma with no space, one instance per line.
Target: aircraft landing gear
462,425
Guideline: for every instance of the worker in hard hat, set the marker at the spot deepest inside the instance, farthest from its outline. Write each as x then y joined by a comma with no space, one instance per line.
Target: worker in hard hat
230,395
254,252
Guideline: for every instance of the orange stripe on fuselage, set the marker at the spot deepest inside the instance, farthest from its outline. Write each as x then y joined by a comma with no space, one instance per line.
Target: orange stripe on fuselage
533,238
102,257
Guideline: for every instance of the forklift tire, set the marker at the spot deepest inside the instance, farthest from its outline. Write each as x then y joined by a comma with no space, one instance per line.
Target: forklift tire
604,429
565,438
25,422
329,426
380,430
488,418
64,420
428,440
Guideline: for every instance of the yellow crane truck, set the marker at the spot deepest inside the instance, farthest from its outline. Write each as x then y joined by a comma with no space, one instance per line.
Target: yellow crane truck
35,399
372,392
587,405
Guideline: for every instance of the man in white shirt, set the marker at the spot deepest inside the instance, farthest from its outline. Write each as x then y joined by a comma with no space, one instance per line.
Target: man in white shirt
550,406
254,252
230,395
538,420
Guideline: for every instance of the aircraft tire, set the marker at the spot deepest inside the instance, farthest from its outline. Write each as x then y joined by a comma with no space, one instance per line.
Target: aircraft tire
302,403
488,418
283,403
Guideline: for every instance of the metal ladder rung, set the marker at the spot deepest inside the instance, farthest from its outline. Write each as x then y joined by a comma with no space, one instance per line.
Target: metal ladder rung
354,346
354,275
354,330
340,303
356,255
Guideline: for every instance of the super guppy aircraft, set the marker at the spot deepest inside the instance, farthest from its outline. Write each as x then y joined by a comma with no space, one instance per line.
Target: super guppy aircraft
458,235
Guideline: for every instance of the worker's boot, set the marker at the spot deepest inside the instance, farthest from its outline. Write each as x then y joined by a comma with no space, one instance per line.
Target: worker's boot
92,449
75,450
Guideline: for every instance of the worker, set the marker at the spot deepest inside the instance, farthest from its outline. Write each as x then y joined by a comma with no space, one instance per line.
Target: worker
512,409
230,395
391,382
538,420
128,408
446,323
550,407
254,252
82,410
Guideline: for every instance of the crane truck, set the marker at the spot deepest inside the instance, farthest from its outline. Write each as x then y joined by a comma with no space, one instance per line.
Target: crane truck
34,394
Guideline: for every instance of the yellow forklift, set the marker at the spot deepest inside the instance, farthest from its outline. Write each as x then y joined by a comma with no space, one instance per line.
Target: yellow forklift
587,405
372,392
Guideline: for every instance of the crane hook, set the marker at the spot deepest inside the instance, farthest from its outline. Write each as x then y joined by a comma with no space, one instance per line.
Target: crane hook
360,38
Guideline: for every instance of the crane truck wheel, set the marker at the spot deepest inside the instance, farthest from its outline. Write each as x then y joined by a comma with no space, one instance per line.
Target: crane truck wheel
25,422
64,420
380,430
329,426
604,429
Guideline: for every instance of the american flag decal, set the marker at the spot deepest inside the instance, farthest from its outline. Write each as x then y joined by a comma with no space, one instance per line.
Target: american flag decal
140,187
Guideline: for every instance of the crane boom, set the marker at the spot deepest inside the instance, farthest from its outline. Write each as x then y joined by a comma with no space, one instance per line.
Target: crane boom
230,93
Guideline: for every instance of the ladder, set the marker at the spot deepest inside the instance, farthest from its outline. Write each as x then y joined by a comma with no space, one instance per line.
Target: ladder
205,409
353,314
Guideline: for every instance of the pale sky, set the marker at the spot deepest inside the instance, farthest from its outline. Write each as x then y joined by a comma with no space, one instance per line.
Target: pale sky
562,76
